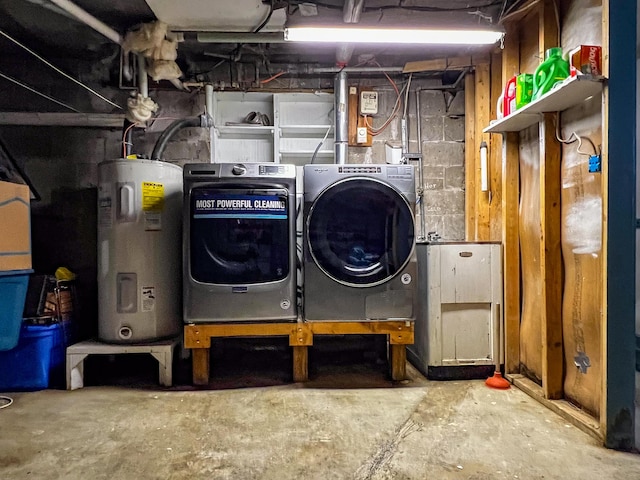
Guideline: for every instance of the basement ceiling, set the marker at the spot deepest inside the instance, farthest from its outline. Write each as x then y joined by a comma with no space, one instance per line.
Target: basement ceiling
48,30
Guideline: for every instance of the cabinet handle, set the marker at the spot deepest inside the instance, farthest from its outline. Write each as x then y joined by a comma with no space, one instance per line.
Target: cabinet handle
465,254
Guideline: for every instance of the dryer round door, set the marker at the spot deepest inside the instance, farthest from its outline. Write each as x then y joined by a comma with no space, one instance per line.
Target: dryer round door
360,231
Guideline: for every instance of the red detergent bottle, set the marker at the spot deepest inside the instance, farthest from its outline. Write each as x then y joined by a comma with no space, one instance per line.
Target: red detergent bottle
554,69
509,97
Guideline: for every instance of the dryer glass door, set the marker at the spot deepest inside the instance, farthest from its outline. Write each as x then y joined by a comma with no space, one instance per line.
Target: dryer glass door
360,231
239,236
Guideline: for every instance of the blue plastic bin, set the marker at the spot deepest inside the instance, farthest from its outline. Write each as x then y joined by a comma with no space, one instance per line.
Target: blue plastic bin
38,361
13,291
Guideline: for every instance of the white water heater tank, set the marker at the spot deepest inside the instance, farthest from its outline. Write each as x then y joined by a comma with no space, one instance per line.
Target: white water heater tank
139,250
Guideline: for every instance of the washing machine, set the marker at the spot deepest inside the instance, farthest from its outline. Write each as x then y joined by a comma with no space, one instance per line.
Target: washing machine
239,238
359,247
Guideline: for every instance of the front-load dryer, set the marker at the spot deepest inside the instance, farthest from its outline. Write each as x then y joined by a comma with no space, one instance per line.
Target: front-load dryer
359,247
239,238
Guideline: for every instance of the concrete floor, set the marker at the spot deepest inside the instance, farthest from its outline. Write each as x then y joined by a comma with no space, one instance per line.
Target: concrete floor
349,421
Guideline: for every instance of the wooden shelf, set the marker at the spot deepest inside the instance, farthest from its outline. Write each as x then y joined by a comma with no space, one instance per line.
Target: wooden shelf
569,93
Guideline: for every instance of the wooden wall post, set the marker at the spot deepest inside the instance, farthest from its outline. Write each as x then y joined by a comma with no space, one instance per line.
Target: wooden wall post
550,246
551,259
470,157
482,118
510,230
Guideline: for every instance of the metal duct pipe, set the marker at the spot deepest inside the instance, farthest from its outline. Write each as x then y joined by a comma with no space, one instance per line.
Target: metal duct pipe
340,92
350,14
208,99
239,37
355,69
88,19
352,11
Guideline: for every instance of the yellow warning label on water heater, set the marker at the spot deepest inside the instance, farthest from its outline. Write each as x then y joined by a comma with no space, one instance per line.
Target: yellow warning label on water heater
152,196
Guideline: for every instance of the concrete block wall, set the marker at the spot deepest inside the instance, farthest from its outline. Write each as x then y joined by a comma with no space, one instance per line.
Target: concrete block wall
442,125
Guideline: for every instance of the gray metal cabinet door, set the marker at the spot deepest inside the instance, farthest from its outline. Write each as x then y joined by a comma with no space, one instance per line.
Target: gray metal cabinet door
466,274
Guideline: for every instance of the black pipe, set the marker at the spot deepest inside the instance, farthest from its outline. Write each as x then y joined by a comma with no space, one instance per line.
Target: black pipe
169,132
127,137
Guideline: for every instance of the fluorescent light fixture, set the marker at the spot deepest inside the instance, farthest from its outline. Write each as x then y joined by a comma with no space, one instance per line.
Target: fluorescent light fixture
392,35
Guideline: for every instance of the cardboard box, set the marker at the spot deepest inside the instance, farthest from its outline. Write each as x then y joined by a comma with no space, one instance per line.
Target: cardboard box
15,227
586,59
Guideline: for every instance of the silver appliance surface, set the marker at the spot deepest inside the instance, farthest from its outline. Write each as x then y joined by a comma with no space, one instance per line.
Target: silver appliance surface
359,242
239,238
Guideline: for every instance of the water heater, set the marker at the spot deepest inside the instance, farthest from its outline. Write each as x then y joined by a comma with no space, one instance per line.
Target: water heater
139,250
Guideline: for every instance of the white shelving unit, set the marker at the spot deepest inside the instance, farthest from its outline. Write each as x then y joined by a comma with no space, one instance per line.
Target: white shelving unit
569,93
234,142
299,121
303,120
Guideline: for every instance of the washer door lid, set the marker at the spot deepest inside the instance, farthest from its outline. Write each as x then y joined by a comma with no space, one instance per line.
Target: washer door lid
360,231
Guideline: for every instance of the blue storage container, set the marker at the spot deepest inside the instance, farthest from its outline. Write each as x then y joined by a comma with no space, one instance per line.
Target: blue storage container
38,361
13,291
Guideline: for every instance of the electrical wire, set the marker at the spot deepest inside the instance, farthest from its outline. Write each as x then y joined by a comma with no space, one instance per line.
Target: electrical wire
267,80
406,95
124,139
9,401
394,112
266,20
511,12
575,137
58,70
315,152
7,77
400,7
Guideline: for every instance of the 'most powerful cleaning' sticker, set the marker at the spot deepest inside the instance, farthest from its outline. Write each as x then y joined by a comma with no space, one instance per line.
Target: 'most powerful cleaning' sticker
228,205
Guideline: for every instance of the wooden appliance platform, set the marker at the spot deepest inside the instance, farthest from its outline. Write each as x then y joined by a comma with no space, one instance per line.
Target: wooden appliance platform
198,338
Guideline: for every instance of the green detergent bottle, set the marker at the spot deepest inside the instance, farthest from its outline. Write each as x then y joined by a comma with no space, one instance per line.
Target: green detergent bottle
554,69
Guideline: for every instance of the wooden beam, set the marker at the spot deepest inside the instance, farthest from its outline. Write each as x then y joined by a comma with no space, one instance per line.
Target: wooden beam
510,214
563,408
482,118
437,65
300,364
548,34
551,259
398,361
352,124
470,157
200,366
550,218
495,154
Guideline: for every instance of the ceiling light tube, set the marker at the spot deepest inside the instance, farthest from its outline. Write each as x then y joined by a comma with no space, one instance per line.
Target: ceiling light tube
392,35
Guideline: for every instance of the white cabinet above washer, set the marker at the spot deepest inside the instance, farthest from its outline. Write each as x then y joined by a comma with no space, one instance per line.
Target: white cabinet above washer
272,127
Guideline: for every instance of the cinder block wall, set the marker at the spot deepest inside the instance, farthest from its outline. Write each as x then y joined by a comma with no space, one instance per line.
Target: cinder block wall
441,119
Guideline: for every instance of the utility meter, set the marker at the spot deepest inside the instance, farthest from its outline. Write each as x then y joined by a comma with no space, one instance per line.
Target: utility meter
368,102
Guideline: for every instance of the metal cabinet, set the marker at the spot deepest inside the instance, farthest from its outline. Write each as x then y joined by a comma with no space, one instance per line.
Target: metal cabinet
460,298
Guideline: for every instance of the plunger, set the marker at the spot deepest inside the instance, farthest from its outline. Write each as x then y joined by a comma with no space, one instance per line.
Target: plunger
497,381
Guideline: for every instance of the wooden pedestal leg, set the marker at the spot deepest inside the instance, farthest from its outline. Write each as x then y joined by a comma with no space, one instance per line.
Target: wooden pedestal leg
398,361
300,363
200,366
